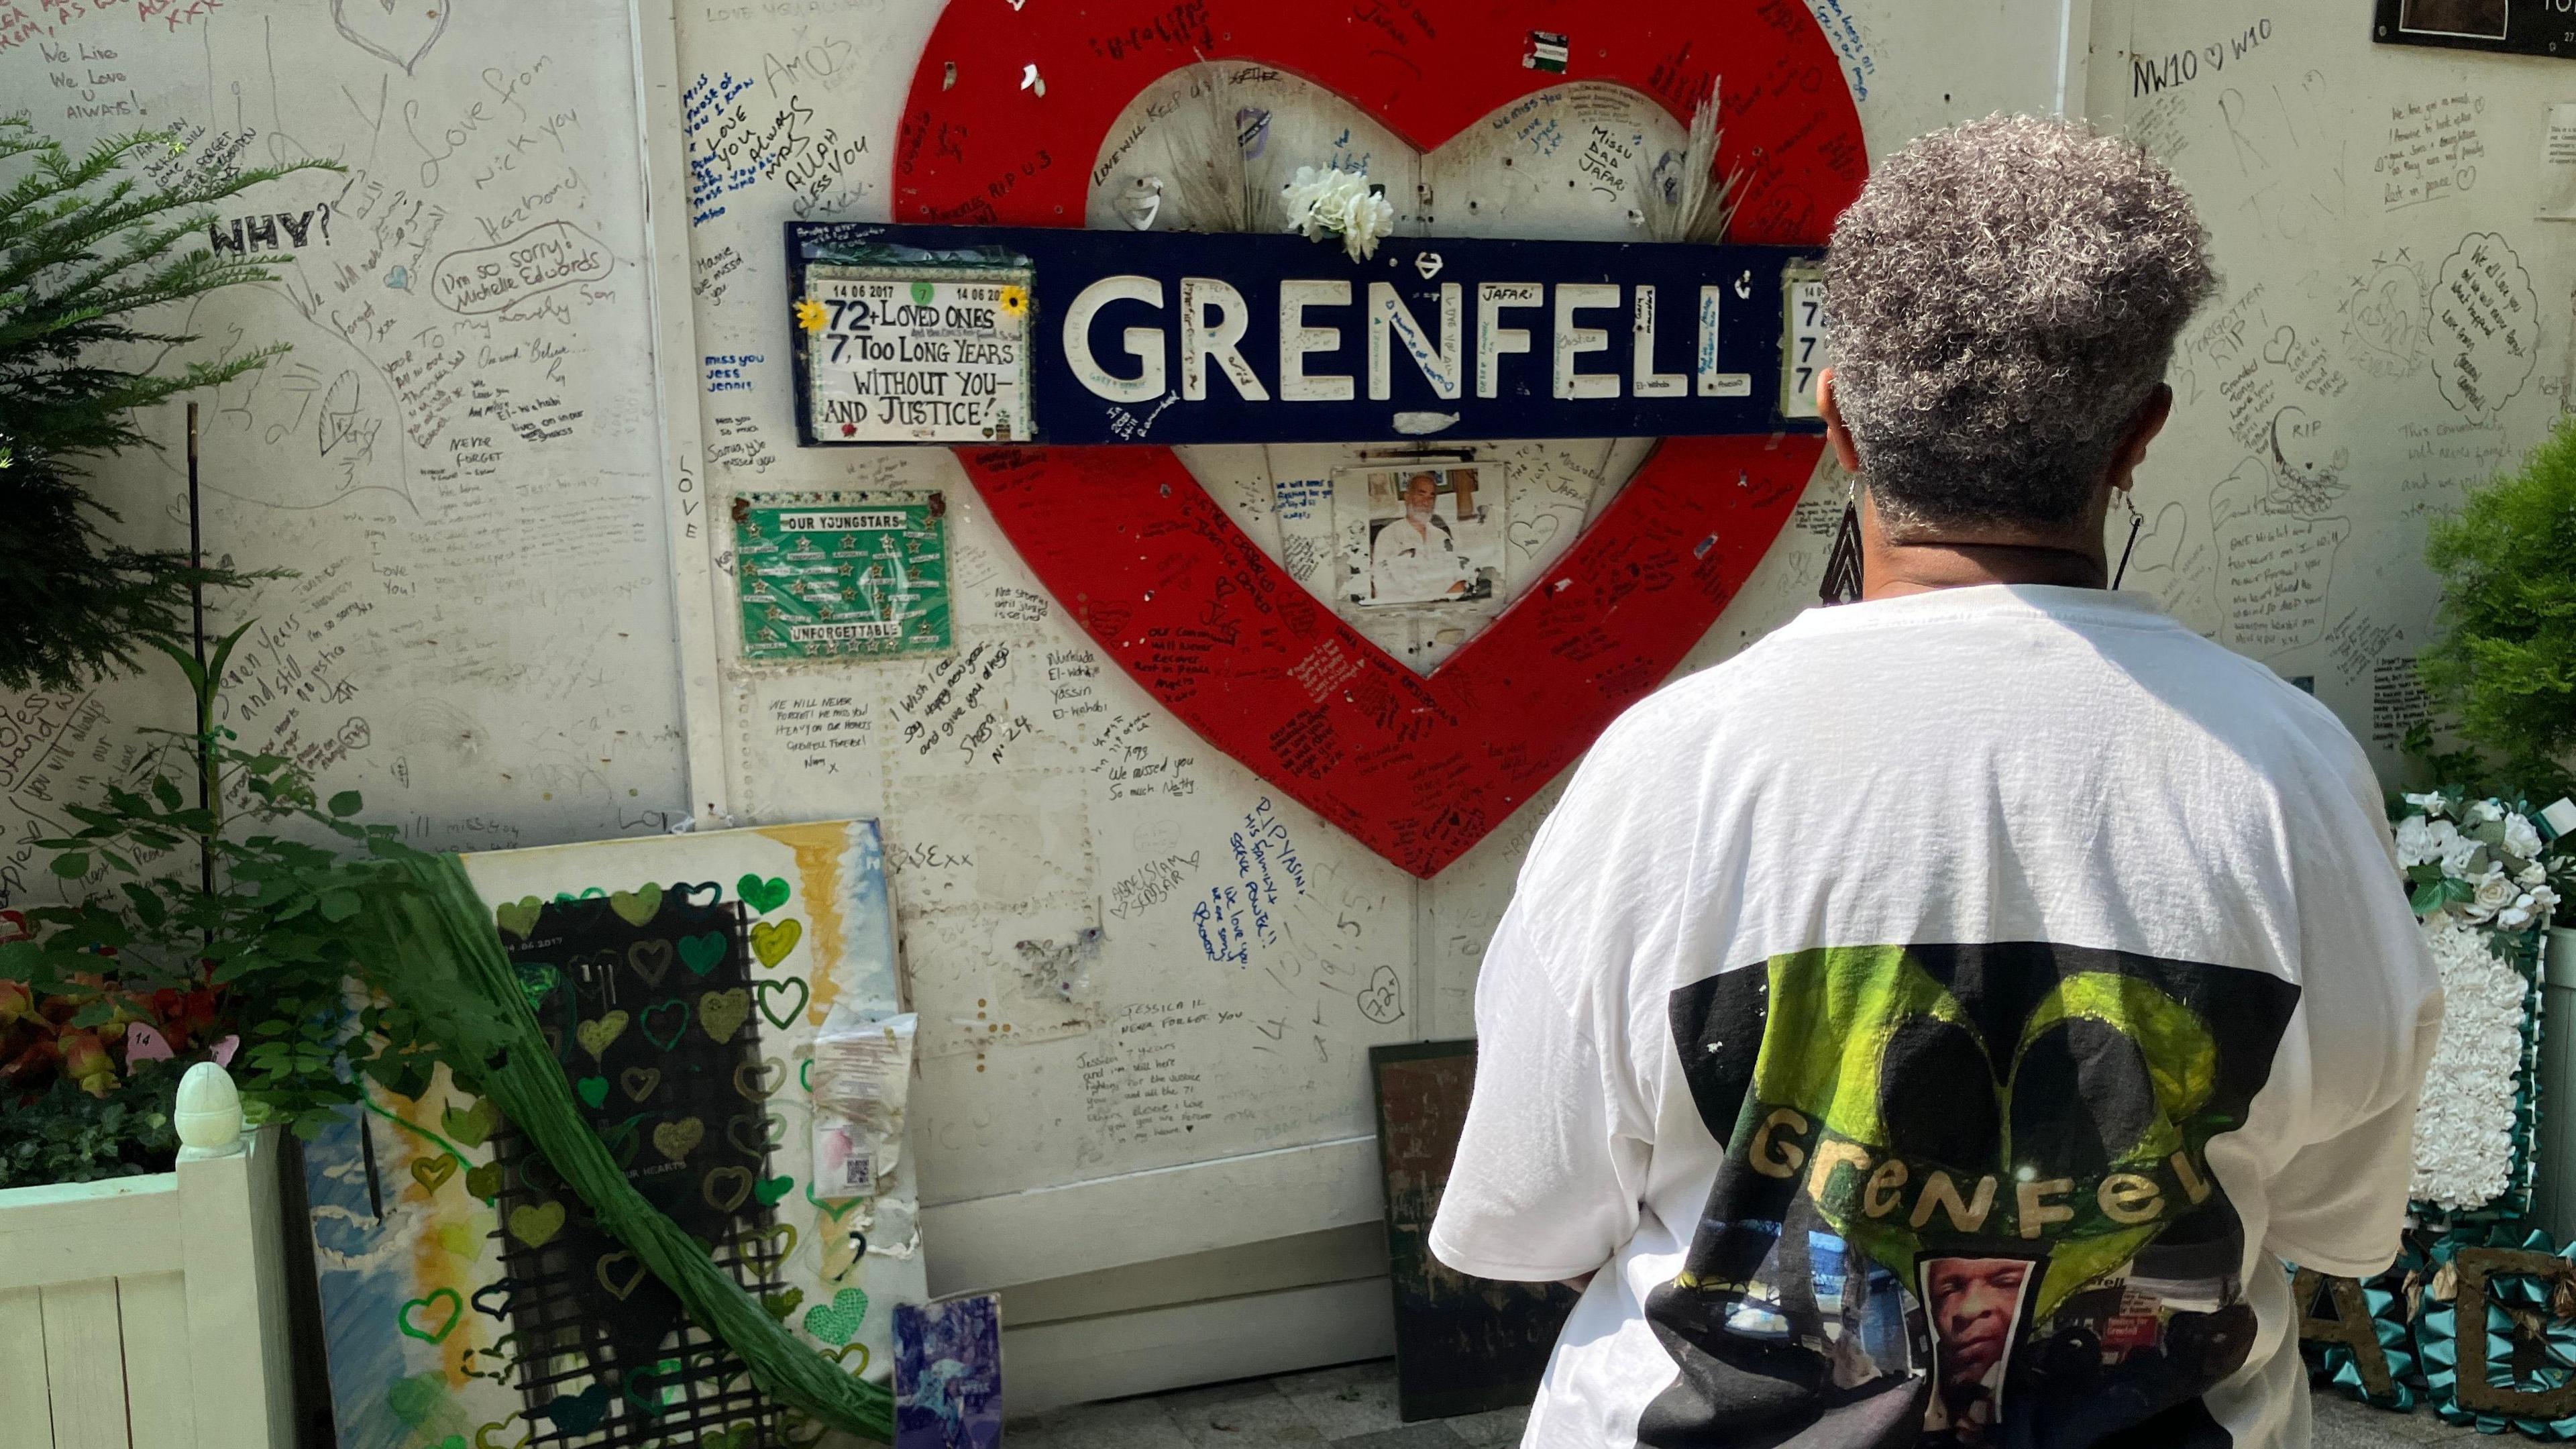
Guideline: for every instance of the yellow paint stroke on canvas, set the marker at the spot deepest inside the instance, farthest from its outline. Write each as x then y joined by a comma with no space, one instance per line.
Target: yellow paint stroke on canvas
819,849
447,1214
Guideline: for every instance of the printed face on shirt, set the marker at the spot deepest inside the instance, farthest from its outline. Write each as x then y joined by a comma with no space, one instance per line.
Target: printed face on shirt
1973,1304
2018,1133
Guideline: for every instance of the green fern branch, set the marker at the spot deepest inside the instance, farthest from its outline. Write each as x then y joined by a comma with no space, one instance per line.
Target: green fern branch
93,250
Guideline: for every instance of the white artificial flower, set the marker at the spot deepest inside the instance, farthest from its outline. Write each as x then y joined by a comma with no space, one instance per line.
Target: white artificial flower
2457,851
2543,899
1367,216
2415,840
1328,203
2516,916
2532,874
2495,892
2482,811
2430,802
2520,837
2465,1116
1298,198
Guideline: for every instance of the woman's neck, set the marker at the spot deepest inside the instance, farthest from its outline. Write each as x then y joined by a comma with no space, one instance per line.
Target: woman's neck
1890,568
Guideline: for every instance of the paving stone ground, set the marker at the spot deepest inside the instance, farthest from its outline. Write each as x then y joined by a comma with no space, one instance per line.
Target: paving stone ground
1353,1407
2343,1424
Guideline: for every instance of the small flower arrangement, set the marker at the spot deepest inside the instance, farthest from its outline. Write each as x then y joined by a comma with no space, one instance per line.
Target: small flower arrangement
2479,876
86,1081
94,1038
1335,203
142,968
2479,860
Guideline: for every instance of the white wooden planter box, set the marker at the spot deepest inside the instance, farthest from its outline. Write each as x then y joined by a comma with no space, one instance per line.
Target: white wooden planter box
147,1312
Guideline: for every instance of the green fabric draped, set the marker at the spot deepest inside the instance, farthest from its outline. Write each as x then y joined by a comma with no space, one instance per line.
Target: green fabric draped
434,949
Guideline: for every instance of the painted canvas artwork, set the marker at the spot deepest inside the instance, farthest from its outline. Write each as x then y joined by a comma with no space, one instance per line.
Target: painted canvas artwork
948,1373
467,1296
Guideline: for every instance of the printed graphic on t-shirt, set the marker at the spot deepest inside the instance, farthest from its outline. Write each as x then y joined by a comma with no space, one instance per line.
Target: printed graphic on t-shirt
1966,1198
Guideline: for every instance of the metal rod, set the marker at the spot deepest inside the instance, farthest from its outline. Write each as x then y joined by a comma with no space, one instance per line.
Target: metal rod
204,703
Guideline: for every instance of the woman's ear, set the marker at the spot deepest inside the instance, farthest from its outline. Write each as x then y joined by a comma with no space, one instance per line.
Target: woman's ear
2144,424
1836,434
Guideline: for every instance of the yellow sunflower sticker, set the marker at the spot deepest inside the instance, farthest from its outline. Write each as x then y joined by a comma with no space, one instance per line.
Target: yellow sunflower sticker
1015,301
811,315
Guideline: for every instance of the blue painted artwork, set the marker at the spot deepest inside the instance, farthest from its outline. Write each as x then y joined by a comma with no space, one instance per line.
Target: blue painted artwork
948,1373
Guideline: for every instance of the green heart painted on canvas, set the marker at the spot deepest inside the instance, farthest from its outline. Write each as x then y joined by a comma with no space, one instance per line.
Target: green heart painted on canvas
679,1023
833,1208
764,895
414,1399
418,1321
676,1140
519,917
780,1019
536,1224
639,906
701,953
595,1036
838,1322
578,1413
722,1013
536,979
772,940
473,1126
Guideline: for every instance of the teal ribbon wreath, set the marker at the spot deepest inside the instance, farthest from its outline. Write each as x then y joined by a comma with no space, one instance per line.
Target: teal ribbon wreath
2437,1332
2391,1323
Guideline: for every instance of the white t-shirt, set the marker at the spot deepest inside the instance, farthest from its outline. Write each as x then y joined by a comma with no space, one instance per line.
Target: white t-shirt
1938,1022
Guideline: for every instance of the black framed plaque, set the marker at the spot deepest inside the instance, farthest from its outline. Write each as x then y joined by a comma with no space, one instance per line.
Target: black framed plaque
2513,27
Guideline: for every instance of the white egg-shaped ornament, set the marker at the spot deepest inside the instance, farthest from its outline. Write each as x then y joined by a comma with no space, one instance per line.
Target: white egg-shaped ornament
208,1114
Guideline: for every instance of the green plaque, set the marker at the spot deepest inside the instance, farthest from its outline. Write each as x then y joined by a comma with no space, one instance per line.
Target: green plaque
857,575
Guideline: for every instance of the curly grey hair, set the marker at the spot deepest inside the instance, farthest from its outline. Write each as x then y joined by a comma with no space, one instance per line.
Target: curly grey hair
2004,295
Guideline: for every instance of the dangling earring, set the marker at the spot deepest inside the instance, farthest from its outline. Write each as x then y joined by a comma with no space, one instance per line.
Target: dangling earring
2135,518
1842,567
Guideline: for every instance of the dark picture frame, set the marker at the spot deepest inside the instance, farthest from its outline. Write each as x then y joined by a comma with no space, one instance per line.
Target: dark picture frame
2507,27
1462,1345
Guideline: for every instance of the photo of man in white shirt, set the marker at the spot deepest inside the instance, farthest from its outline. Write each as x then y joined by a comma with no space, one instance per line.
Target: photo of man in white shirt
1414,559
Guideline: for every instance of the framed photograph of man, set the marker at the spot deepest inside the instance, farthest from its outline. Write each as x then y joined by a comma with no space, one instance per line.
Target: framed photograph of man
1424,534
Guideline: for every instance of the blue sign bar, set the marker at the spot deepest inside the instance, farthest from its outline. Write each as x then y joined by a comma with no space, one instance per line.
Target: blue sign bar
979,335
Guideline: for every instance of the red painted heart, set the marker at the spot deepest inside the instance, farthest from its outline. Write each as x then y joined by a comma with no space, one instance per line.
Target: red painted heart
1416,768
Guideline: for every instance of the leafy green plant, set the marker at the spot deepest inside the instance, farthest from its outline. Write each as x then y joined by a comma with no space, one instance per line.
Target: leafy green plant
229,897
275,927
89,246
2505,664
68,1134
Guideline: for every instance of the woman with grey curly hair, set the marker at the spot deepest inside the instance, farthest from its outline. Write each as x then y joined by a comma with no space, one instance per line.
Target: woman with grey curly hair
1938,1024
2004,308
